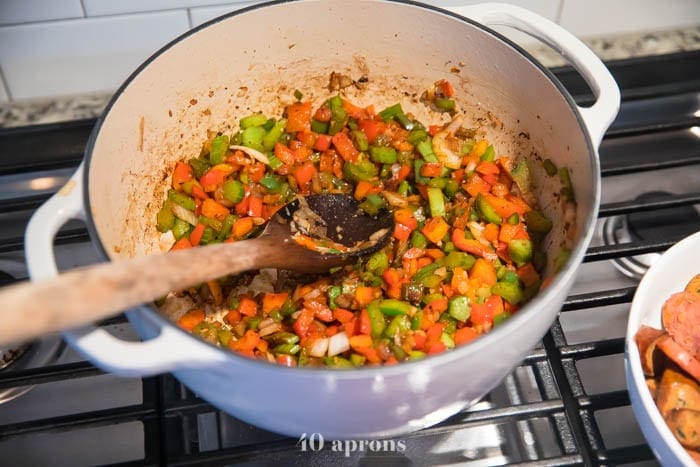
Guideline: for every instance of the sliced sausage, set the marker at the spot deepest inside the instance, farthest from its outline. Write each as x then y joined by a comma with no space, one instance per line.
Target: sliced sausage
685,425
646,340
680,356
675,391
694,285
681,318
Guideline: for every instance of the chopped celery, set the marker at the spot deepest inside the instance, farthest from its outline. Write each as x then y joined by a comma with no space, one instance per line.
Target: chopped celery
219,146
182,200
338,115
181,228
253,137
273,135
550,167
234,191
359,139
436,201
165,218
459,308
253,120
425,148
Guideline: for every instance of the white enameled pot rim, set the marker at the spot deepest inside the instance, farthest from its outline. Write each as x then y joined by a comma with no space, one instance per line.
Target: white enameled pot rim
513,325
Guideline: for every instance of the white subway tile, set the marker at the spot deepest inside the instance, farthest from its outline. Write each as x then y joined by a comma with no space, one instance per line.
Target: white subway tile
546,8
24,11
204,14
587,18
79,56
111,7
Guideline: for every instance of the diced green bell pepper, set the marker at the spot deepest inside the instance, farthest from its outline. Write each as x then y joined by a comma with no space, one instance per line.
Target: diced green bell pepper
537,222
520,250
361,170
489,155
510,292
378,262
487,211
181,228
394,307
521,176
436,201
425,148
382,154
199,166
446,105
376,318
338,115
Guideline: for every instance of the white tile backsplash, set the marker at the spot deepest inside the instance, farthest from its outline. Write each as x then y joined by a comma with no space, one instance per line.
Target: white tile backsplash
80,56
546,8
112,7
587,18
25,11
44,53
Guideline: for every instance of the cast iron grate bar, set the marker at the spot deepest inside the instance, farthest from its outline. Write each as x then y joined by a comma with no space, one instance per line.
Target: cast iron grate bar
48,374
596,299
599,253
628,207
92,419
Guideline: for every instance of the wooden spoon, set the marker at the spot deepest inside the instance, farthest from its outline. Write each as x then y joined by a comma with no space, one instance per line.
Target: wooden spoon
88,294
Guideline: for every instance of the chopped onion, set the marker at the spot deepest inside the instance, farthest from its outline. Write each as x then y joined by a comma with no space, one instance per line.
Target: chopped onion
395,199
319,347
271,329
184,214
338,343
254,153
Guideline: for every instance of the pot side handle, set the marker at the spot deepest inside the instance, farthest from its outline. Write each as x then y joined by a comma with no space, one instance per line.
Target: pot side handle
165,352
597,117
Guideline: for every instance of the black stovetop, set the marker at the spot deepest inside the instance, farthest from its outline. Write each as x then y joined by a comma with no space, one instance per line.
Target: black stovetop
554,419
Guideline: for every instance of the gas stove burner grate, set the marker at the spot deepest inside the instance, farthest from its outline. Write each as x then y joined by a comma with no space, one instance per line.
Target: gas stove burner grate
549,411
648,226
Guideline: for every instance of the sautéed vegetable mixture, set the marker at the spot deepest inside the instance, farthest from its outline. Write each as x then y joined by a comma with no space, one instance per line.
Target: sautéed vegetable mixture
465,254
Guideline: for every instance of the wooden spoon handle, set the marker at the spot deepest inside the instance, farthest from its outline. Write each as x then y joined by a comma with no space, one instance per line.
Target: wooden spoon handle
84,295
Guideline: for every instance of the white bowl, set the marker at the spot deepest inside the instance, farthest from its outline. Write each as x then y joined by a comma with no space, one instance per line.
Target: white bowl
667,276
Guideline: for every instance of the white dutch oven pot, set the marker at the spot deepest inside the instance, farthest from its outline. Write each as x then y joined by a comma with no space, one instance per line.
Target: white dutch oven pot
253,60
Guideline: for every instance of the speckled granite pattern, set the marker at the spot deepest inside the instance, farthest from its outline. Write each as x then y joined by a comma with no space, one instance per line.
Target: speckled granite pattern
608,48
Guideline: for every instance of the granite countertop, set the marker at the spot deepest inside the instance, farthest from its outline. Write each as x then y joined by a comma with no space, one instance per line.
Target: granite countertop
608,48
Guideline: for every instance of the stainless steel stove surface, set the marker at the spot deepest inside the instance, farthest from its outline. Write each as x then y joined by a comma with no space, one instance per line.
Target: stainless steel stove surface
567,404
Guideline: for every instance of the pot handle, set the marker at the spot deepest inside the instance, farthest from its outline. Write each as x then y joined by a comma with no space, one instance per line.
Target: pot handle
597,117
164,352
